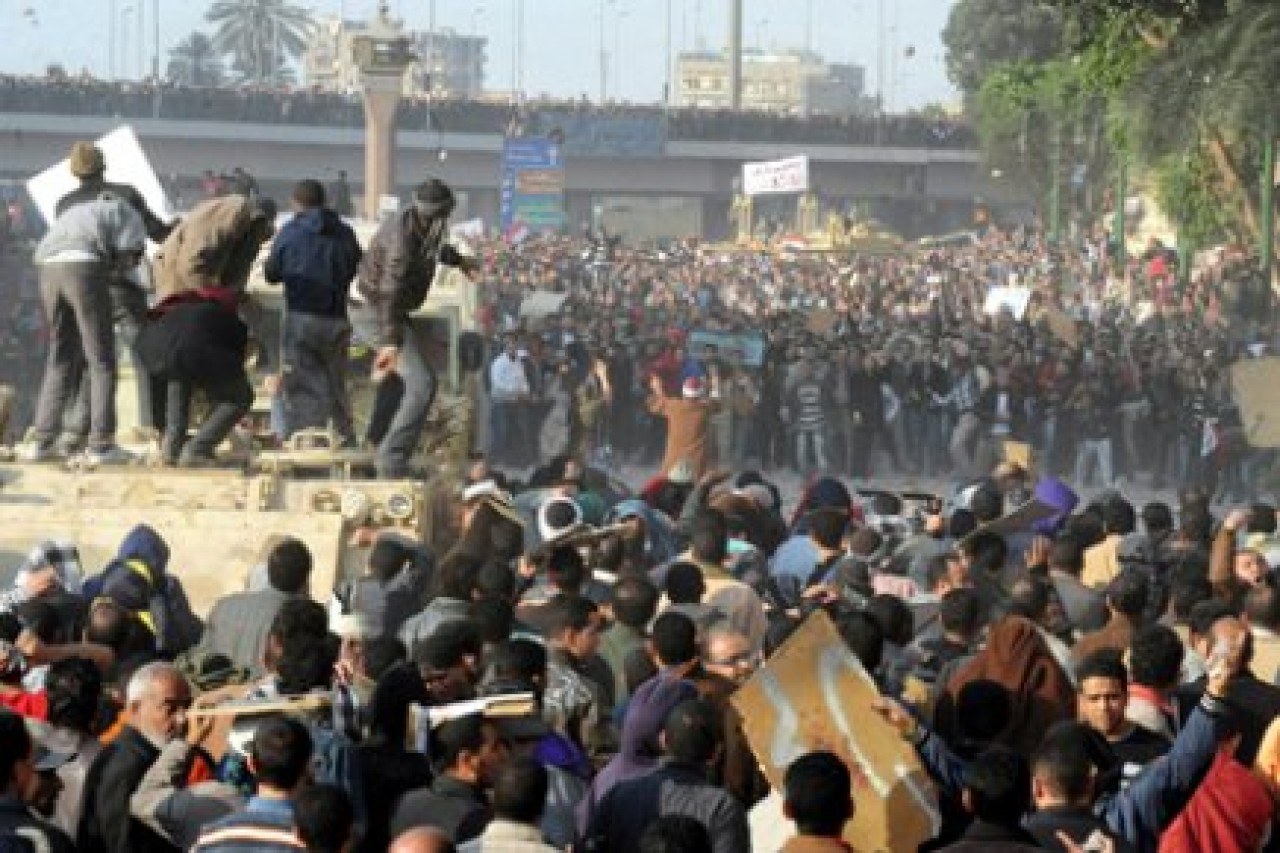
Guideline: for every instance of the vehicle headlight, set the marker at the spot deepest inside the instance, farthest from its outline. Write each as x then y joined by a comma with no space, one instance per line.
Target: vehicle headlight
400,506
355,505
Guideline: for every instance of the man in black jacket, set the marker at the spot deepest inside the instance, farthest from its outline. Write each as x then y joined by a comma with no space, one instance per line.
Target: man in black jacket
157,699
1064,785
395,276
196,340
316,256
470,750
692,737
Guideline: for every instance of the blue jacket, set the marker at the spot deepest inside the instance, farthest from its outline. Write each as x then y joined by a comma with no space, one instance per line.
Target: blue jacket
265,826
1140,813
316,255
138,580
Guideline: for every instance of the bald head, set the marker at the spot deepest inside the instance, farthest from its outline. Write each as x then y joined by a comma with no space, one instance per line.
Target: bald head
422,839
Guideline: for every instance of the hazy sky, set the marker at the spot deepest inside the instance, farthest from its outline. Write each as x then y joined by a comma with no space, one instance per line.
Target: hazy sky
561,45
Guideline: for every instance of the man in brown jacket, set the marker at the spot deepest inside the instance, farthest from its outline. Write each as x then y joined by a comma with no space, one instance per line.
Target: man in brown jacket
215,245
688,425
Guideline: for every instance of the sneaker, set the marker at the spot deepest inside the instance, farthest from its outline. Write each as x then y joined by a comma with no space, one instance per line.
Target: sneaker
112,454
37,451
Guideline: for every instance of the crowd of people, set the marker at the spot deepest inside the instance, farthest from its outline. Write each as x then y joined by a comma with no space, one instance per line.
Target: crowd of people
82,95
1073,669
891,366
1101,676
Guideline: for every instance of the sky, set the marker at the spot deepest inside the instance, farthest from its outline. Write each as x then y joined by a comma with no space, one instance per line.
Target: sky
561,38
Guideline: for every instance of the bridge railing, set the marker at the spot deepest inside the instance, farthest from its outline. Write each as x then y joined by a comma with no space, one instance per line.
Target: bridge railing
613,129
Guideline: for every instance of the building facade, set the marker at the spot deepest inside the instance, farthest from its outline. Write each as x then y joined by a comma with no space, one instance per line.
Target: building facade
449,64
793,82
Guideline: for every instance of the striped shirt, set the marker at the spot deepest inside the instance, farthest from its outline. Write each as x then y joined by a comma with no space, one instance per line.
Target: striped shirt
265,825
809,411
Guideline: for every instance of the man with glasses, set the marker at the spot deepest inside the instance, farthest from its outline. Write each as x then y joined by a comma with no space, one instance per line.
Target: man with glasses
728,653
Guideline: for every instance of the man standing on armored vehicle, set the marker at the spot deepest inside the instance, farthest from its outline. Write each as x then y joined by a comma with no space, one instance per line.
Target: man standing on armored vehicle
316,255
395,276
128,299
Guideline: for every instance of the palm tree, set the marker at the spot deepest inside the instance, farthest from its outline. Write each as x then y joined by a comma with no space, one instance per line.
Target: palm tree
260,35
195,62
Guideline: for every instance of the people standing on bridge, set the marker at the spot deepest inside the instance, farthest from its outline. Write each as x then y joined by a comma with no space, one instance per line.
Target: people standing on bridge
128,298
86,247
395,277
316,256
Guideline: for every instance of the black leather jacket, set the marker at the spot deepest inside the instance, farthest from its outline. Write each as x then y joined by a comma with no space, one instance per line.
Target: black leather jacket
397,272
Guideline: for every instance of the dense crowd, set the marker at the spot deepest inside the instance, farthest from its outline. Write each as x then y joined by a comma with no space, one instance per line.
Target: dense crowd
891,366
314,107
1071,670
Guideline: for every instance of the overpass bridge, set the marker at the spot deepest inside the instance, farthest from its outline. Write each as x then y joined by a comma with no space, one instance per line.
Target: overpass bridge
633,180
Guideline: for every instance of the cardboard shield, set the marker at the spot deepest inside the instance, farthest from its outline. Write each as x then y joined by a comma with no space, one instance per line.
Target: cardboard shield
814,694
1256,387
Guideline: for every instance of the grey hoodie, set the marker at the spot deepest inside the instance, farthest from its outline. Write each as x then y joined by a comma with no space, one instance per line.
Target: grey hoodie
106,228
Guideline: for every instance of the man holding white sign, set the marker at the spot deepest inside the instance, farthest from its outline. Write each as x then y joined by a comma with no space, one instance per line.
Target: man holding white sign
128,300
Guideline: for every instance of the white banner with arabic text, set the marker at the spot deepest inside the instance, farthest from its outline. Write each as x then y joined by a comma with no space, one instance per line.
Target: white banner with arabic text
790,175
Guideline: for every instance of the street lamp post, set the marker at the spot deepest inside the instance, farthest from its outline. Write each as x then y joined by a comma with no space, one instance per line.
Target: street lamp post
604,57
1266,243
1055,185
126,18
155,52
112,14
1122,190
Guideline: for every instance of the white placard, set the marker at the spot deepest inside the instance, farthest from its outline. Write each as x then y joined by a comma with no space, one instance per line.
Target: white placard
790,175
1015,299
126,164
388,205
471,229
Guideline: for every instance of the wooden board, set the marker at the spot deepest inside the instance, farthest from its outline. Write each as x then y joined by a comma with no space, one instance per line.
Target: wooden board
1256,386
814,694
1019,453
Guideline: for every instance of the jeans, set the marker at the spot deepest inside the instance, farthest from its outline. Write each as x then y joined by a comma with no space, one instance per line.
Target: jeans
315,373
228,402
78,307
939,437
128,306
915,427
739,443
408,413
1099,451
810,448
722,436
503,426
963,447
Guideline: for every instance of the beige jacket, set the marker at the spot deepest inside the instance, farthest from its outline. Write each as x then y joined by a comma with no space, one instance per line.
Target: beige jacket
505,836
214,246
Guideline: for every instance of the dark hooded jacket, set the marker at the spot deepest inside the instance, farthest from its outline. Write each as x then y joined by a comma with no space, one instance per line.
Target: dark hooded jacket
138,580
640,752
661,543
315,255
106,825
195,336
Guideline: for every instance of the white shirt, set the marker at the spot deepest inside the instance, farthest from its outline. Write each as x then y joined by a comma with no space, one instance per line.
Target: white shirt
507,378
